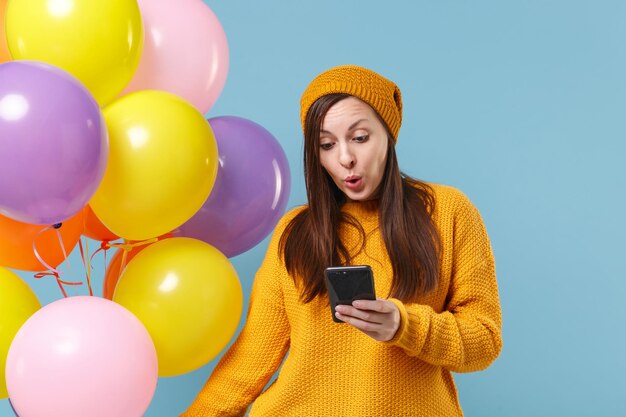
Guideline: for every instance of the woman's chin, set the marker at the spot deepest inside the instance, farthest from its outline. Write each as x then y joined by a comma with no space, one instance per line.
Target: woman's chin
363,195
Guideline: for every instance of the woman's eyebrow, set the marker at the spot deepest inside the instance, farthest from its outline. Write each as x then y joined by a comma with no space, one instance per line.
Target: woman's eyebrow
352,126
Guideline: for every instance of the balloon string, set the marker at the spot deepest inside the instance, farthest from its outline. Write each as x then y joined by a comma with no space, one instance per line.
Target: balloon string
56,229
128,245
105,245
104,248
124,256
60,282
36,252
105,261
86,263
52,271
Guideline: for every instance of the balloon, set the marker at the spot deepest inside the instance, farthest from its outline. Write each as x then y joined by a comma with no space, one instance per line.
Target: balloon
82,356
250,192
94,229
185,51
162,165
53,143
5,55
17,303
16,243
97,41
188,296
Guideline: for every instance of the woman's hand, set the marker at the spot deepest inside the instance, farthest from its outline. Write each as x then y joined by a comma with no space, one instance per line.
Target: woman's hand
379,319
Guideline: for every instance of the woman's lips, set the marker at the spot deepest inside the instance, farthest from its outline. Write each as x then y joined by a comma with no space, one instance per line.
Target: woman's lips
354,183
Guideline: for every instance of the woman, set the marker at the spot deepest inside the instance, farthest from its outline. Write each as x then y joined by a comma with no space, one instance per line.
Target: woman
438,309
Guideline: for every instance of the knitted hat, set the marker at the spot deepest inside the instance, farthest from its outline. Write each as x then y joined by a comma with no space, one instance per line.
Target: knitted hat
380,93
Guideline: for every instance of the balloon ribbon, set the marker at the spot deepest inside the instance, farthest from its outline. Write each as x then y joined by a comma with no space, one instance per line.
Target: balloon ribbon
52,271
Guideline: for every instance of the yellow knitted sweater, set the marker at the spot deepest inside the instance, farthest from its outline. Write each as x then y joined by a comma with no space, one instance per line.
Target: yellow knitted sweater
334,369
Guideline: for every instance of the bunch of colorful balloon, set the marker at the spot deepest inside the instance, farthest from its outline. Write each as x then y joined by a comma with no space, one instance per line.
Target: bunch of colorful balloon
103,134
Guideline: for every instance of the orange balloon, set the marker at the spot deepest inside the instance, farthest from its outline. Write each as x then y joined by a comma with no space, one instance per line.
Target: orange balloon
94,229
112,273
16,243
5,55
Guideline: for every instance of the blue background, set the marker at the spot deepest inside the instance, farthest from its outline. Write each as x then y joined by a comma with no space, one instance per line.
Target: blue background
519,104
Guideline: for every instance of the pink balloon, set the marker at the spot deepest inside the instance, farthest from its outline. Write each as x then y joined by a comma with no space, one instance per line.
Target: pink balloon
185,52
82,356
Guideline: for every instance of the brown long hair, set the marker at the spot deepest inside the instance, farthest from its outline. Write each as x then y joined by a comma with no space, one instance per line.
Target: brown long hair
311,241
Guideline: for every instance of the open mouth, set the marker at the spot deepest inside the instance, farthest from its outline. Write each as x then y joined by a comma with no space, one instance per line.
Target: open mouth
353,182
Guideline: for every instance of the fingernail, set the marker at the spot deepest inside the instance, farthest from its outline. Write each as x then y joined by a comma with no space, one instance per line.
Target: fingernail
339,309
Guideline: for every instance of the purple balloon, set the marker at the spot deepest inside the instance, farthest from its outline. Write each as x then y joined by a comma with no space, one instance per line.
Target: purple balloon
250,192
53,143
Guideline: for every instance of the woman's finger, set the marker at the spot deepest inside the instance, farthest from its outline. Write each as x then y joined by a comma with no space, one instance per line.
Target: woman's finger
364,315
380,305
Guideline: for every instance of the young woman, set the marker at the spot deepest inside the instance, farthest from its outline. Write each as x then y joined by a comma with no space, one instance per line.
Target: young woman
438,309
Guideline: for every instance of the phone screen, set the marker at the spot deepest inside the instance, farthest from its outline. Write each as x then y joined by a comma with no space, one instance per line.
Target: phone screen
346,284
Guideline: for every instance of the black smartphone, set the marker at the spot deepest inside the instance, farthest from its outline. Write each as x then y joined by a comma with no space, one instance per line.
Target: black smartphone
346,284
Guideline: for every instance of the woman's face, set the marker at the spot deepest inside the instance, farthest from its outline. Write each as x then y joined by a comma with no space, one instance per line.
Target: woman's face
353,148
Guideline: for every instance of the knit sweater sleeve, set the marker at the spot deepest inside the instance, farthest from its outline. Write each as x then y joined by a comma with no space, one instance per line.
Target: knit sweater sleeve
259,350
467,335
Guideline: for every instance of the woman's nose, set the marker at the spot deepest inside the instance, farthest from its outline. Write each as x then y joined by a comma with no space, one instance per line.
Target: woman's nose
346,158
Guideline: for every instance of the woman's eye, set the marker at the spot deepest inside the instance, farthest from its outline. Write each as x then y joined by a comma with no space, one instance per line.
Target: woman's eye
362,138
326,146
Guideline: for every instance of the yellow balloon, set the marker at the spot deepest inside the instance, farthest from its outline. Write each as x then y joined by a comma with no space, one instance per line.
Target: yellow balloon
188,296
97,41
162,165
17,303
